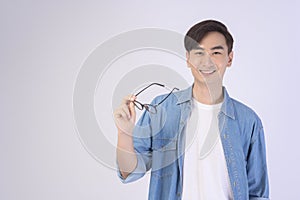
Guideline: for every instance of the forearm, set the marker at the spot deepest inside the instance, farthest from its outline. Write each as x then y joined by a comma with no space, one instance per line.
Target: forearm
126,156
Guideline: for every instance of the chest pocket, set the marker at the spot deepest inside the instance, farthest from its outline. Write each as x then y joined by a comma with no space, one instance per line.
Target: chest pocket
164,153
162,145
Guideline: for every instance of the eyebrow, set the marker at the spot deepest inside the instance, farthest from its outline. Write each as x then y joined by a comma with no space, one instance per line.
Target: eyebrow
198,48
213,48
218,47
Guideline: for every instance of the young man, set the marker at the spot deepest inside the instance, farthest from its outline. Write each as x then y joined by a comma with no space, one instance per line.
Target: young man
199,143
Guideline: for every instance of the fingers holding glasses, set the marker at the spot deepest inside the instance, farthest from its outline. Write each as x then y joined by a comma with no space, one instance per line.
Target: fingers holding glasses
125,115
132,109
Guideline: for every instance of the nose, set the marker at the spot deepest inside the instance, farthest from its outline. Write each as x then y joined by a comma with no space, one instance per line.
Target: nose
206,62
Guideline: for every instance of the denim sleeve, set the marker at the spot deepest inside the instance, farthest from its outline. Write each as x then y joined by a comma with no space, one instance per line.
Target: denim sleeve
142,147
257,165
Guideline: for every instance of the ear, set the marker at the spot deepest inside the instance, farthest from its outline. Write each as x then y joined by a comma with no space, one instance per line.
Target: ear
187,55
230,59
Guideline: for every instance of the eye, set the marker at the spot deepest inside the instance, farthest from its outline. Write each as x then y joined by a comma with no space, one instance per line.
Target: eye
217,53
199,53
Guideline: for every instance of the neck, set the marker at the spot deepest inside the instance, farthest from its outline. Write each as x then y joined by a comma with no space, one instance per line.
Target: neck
208,93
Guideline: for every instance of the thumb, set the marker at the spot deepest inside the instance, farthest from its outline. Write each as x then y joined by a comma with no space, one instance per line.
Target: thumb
132,111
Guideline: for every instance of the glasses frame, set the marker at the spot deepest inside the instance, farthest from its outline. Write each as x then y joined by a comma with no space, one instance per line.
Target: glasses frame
149,107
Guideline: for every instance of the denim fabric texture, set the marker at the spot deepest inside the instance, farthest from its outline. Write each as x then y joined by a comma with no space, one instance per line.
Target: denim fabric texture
159,142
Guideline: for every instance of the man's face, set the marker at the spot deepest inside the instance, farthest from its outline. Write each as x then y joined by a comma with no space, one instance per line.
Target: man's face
210,59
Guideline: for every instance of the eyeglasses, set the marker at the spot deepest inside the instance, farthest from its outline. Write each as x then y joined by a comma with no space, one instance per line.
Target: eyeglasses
149,107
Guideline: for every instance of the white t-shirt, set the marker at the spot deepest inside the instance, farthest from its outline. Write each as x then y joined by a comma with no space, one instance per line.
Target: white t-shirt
205,174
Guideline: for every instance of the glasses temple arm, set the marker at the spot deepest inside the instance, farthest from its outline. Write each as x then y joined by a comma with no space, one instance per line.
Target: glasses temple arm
167,96
148,87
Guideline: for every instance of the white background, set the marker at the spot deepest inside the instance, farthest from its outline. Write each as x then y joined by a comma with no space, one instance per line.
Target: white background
44,43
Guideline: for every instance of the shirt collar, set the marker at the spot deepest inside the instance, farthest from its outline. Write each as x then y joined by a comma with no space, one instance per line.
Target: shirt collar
187,95
227,106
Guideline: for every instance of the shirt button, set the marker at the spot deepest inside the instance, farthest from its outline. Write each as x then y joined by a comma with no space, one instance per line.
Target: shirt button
234,184
178,194
225,136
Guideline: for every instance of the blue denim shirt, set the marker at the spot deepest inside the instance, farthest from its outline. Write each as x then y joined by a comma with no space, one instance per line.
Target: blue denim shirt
159,141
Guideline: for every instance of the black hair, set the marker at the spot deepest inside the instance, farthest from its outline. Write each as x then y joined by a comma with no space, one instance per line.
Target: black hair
197,32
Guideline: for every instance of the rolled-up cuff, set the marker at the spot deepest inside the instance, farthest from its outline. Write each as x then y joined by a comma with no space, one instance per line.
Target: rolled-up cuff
136,174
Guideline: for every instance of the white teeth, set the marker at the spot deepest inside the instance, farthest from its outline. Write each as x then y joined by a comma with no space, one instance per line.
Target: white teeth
207,71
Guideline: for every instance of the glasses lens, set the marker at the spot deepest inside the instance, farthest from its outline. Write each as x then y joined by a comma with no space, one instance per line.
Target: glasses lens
150,108
138,105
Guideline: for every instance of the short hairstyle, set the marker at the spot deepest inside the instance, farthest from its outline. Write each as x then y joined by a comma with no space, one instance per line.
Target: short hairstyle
197,32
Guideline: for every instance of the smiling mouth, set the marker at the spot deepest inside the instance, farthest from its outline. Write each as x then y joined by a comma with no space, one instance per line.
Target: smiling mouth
207,72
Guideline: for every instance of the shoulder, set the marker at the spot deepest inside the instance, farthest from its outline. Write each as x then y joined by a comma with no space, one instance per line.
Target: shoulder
245,113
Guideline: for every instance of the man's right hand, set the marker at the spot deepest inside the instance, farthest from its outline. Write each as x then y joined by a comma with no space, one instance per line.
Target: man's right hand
125,115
